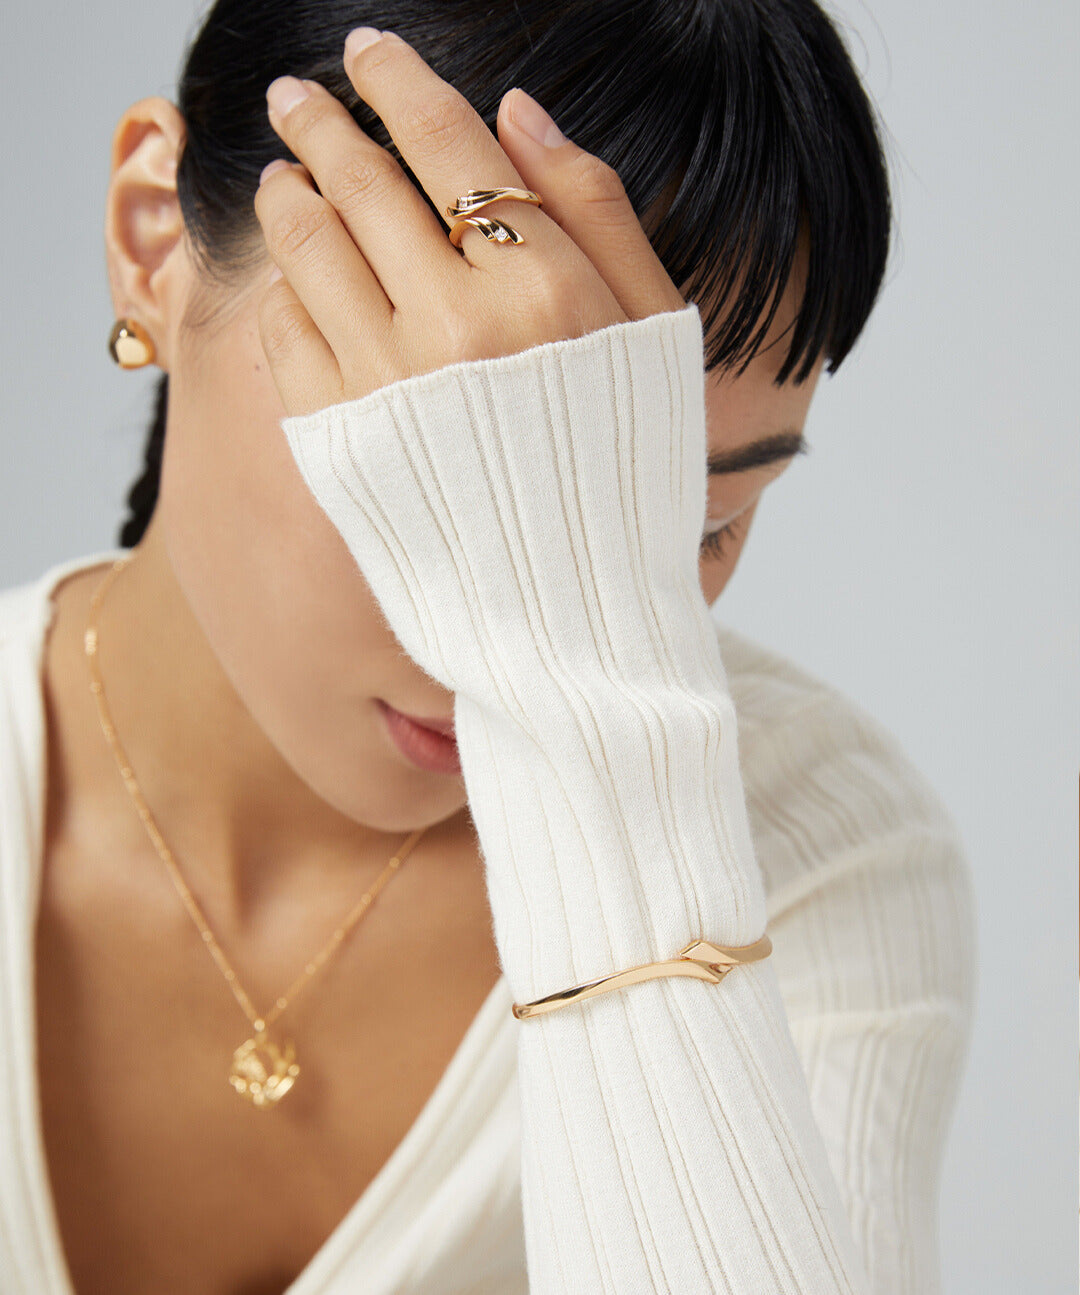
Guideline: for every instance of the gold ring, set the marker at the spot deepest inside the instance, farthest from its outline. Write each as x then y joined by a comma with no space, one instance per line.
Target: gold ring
477,198
495,231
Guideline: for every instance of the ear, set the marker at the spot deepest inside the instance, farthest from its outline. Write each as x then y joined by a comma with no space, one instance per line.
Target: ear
147,262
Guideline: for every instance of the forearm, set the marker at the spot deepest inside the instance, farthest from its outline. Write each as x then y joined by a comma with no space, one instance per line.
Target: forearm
530,527
668,1139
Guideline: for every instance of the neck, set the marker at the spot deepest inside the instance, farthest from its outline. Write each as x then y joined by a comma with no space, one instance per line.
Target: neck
238,819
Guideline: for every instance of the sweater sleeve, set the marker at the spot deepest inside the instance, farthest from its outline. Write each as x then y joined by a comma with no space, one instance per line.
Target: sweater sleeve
529,525
872,911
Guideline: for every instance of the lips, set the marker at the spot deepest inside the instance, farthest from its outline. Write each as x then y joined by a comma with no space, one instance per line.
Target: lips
443,726
419,742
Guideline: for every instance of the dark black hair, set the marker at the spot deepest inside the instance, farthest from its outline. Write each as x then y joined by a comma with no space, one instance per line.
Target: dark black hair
749,111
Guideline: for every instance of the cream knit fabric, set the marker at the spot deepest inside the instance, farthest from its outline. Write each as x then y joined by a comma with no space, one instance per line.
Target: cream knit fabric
530,525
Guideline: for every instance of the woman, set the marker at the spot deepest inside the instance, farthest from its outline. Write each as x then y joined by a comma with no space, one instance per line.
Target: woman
493,482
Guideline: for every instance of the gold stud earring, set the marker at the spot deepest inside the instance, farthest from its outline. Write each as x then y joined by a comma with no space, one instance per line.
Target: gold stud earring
130,345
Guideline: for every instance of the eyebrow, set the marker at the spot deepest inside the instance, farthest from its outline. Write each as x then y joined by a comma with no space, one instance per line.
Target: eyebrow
757,454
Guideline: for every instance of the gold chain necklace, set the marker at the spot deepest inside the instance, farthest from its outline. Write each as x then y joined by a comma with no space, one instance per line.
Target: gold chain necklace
261,1071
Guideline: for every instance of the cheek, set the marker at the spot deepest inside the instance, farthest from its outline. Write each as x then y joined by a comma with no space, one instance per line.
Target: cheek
281,602
714,573
714,576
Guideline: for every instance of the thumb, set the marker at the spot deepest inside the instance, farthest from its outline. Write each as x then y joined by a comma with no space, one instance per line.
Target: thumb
586,198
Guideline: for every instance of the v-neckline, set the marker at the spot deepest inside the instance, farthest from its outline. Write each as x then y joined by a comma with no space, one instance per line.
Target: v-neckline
465,1068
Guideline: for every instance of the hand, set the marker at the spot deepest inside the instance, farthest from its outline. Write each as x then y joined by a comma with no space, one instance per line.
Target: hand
371,288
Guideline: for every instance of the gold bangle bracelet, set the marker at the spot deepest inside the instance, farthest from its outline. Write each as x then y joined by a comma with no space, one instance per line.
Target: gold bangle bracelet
701,959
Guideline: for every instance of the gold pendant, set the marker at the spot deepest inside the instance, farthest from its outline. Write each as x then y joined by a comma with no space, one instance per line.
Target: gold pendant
261,1072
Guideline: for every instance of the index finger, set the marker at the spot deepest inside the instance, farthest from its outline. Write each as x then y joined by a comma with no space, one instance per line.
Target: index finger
438,132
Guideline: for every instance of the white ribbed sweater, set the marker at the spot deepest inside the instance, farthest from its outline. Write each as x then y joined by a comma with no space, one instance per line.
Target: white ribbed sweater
530,527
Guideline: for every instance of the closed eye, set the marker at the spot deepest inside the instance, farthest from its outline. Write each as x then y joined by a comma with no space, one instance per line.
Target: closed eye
715,544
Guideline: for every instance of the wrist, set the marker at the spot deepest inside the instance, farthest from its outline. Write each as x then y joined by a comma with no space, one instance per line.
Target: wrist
514,507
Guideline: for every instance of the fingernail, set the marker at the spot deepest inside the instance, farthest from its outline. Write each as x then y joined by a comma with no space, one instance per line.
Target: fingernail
285,93
360,38
277,165
534,121
275,274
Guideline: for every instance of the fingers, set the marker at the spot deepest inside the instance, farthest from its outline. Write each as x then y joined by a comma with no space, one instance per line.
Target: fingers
444,140
586,198
375,200
304,369
326,270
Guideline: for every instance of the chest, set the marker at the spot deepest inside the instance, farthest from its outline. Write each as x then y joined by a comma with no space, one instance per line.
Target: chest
164,1179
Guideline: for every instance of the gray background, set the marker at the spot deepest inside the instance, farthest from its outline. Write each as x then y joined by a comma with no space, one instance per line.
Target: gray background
923,557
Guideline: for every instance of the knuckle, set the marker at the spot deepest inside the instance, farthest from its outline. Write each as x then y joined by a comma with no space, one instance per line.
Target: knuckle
436,122
563,301
555,296
282,325
457,336
295,230
550,293
594,181
360,181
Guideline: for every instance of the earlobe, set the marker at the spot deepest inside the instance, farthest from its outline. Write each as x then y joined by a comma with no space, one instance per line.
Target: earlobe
143,221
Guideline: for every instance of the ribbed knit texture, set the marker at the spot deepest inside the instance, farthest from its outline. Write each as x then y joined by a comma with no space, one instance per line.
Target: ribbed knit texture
529,526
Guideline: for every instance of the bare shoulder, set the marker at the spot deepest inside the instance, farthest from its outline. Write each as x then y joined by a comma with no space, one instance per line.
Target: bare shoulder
63,661
44,684
33,611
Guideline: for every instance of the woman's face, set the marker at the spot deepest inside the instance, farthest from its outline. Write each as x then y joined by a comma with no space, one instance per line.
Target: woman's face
280,599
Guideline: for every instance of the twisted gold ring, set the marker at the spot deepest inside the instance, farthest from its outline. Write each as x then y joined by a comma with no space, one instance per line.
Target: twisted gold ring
495,231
